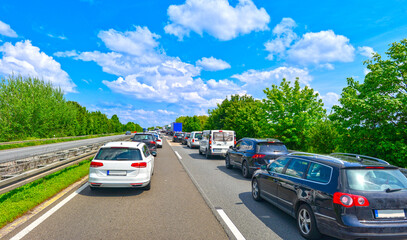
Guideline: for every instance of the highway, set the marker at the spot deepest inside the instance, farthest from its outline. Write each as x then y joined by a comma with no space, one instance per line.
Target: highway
187,193
20,153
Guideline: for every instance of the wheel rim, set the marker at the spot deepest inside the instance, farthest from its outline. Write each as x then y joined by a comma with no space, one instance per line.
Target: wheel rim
304,221
255,189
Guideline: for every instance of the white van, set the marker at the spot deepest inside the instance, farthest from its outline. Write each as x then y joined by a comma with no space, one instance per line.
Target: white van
216,142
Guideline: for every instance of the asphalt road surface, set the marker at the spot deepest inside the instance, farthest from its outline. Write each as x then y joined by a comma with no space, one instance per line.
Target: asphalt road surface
20,153
172,209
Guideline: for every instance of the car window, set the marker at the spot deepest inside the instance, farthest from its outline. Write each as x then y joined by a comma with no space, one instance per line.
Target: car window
198,135
243,146
278,165
375,179
223,136
143,137
237,146
319,173
119,154
297,168
271,148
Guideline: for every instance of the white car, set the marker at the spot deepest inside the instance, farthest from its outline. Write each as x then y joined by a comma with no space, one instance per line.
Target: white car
122,164
159,141
216,142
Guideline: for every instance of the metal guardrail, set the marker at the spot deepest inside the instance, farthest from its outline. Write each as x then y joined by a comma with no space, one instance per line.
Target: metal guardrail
13,172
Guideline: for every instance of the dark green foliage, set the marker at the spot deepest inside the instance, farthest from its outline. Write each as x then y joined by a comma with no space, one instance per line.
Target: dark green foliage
31,108
373,115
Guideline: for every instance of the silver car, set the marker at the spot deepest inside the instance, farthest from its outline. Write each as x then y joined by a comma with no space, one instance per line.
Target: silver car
193,140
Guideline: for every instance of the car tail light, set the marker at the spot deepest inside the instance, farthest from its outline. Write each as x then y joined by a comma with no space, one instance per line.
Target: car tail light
350,200
175,136
96,164
95,184
220,131
374,167
158,140
193,140
186,137
258,156
136,184
139,165
152,142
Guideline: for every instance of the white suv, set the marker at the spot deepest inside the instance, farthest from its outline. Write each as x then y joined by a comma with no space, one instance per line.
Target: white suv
122,164
216,142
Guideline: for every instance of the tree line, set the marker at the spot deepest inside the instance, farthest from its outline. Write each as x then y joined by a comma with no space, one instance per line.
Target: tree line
32,108
370,120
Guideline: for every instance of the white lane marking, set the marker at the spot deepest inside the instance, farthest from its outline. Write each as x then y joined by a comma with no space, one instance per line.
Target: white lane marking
179,157
230,224
37,222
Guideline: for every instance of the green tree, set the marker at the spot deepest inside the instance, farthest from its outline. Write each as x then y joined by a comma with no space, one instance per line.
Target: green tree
243,114
290,112
373,115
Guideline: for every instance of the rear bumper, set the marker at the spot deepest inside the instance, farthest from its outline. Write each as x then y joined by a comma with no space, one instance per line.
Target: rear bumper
355,229
118,181
194,144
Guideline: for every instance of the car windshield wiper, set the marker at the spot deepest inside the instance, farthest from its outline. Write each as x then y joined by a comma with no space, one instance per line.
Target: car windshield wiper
388,190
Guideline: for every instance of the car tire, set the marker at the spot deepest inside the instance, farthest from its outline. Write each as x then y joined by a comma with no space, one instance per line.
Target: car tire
207,155
148,186
227,162
256,190
245,170
200,153
306,223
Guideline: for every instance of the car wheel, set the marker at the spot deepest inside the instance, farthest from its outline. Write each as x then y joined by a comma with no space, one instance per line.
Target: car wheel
306,223
256,190
227,162
245,170
200,153
207,155
148,186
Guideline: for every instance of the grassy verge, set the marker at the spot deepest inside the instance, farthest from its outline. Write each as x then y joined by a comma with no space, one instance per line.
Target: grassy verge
42,142
21,200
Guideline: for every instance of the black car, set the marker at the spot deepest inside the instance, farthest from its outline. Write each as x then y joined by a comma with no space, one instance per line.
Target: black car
148,139
249,154
184,139
346,196
177,136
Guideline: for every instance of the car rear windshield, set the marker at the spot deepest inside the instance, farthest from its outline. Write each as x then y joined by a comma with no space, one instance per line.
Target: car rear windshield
143,137
375,179
223,136
119,154
198,135
271,148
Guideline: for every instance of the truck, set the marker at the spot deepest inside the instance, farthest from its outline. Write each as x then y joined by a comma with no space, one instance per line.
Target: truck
176,127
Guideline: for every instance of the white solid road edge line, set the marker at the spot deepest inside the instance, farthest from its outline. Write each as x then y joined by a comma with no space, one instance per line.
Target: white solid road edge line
37,222
230,224
176,153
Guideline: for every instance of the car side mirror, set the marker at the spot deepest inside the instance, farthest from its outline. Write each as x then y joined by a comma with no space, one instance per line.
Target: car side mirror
154,154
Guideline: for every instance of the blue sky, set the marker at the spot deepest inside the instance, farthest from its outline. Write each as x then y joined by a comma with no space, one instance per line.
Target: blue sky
150,61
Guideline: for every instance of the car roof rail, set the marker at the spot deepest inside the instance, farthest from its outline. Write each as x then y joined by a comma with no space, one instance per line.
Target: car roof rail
360,158
315,155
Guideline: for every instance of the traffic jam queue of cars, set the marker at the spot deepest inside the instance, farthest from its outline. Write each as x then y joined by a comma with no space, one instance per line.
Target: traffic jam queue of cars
347,196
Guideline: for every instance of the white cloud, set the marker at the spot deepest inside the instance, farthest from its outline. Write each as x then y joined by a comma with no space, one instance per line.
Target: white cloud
217,18
62,37
284,37
330,99
320,49
25,59
212,64
366,51
6,30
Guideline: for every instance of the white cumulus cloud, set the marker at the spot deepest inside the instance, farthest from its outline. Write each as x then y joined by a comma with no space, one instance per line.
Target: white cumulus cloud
212,64
6,30
25,59
330,99
319,49
217,18
366,51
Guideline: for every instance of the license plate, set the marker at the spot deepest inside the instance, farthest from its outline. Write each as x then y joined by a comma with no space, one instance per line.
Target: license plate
390,213
116,173
217,150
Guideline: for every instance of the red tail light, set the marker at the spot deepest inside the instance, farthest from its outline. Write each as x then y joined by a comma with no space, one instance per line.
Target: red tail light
193,140
175,136
210,142
258,156
374,167
139,165
158,140
350,200
186,137
152,142
96,164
